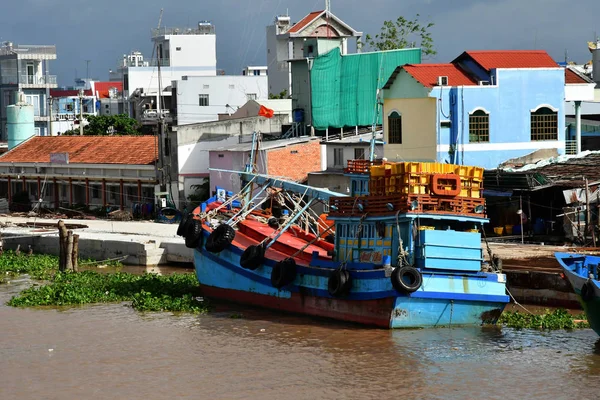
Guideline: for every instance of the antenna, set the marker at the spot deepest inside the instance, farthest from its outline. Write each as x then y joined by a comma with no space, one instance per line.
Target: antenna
160,18
87,69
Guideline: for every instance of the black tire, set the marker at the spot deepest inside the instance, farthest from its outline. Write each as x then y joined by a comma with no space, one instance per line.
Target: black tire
252,257
220,238
406,279
183,224
283,273
193,235
339,283
273,223
587,291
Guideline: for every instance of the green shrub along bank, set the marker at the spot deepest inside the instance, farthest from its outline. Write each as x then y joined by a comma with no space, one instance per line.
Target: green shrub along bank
550,320
147,292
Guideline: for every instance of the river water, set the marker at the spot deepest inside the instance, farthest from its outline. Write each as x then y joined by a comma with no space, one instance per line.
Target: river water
114,352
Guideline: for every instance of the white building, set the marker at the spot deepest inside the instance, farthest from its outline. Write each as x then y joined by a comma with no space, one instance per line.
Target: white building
256,71
179,52
203,98
286,41
25,68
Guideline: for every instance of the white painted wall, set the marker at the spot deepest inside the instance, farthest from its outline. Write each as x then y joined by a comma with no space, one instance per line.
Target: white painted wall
223,91
581,92
195,141
195,50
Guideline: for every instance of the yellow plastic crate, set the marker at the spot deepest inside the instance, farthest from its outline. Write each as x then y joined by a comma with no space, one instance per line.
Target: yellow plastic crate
377,170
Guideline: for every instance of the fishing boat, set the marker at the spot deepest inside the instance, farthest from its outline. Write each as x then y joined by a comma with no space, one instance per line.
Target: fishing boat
582,272
403,250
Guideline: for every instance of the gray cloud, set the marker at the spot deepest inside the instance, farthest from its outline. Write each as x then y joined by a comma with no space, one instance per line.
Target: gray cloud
102,31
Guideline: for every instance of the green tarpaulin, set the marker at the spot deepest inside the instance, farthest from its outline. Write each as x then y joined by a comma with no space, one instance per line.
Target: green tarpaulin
344,88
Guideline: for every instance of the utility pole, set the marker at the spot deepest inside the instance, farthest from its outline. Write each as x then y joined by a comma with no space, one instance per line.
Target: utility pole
50,106
81,112
87,69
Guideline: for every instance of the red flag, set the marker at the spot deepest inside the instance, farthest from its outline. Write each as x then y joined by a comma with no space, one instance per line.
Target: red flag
265,112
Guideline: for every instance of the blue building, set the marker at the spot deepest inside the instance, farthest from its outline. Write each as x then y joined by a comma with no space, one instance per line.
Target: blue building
483,108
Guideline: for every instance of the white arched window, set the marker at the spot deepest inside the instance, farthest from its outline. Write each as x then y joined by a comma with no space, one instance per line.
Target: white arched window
479,126
544,124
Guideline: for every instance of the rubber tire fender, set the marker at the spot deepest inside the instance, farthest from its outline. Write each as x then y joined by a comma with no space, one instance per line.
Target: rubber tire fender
220,238
183,224
587,291
339,283
283,273
252,257
193,235
412,284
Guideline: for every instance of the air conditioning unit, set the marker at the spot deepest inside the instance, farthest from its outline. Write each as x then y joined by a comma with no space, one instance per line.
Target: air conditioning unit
442,81
484,83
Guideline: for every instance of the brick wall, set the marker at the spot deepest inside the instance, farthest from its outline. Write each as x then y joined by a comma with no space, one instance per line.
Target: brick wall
294,162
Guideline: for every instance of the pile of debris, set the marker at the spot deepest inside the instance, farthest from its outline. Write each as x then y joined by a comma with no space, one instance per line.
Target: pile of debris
120,215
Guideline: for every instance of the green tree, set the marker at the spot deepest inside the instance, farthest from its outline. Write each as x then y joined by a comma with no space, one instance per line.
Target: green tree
282,95
401,34
109,125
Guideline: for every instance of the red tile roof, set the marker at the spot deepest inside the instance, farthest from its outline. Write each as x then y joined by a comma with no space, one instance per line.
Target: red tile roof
572,77
305,21
427,74
103,87
491,59
68,93
135,150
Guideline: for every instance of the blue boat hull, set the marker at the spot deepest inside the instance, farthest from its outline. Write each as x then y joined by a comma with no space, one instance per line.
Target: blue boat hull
442,300
577,268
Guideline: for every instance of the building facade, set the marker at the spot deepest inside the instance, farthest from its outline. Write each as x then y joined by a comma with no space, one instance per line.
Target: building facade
26,68
179,52
93,170
482,109
198,99
319,31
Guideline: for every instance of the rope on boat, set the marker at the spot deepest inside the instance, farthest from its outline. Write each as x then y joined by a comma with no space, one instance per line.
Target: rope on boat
516,302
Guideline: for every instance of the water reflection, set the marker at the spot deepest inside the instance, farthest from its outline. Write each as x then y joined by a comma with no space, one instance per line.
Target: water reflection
236,352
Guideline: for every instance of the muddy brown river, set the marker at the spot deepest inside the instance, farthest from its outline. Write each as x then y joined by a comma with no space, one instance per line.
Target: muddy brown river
114,352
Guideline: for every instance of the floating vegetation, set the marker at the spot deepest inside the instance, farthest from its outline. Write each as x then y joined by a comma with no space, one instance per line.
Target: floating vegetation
147,292
550,320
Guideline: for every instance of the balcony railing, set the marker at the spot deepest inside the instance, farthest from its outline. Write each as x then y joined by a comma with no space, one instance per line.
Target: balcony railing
152,115
29,80
25,49
164,62
571,147
204,28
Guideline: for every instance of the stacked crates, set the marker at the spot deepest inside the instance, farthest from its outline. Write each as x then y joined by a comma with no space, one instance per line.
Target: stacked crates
436,187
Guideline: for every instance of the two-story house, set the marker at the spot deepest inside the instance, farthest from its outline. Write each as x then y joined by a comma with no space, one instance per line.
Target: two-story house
483,108
26,69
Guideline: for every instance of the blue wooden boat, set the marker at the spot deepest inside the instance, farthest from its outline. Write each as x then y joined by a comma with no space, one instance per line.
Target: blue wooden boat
395,261
582,272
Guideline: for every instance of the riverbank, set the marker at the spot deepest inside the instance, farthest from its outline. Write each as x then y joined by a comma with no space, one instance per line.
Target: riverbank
141,243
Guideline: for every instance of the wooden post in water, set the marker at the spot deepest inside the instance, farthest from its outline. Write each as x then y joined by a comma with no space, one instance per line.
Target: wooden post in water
69,252
75,255
62,240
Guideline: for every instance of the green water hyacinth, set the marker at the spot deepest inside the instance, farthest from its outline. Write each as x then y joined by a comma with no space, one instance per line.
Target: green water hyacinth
550,320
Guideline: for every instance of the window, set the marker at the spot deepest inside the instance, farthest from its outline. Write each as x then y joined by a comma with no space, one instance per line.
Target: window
203,100
95,192
251,96
544,124
479,127
359,153
338,157
256,72
177,48
205,86
395,128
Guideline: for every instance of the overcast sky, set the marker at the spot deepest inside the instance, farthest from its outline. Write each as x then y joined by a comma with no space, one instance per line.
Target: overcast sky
102,31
